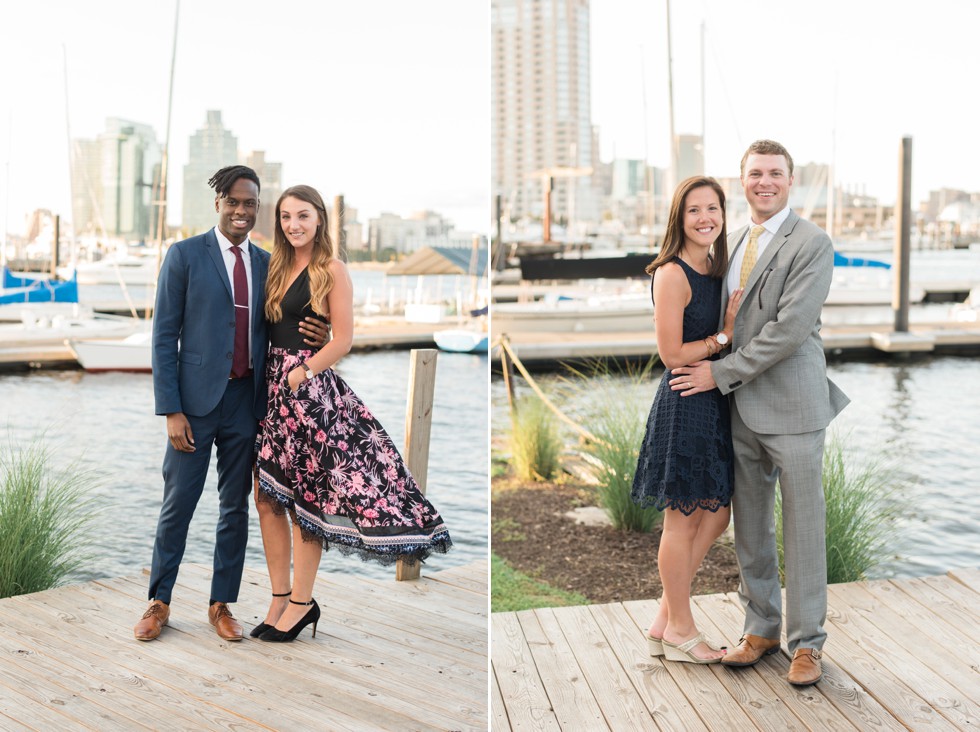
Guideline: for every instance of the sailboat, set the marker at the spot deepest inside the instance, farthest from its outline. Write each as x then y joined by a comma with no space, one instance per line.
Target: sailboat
134,353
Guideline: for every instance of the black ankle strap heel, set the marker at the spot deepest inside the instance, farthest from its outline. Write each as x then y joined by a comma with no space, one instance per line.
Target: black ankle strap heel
264,626
312,617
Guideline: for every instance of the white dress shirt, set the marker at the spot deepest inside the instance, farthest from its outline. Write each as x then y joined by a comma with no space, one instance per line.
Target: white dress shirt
770,226
225,243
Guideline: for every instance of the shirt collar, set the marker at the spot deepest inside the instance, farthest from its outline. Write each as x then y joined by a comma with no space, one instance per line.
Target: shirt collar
225,243
773,223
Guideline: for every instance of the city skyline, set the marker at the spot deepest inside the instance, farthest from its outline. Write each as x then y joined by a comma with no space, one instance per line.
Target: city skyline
889,69
377,102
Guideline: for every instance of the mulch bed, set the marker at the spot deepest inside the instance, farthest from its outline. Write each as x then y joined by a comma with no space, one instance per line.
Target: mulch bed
530,531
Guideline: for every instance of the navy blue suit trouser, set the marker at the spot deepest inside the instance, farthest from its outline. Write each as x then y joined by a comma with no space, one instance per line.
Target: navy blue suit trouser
230,428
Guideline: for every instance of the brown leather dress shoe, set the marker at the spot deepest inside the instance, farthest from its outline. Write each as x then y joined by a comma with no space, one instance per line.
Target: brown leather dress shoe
221,618
156,616
805,668
749,650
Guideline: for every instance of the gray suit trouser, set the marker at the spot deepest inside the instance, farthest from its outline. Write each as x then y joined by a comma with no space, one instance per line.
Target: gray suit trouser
796,461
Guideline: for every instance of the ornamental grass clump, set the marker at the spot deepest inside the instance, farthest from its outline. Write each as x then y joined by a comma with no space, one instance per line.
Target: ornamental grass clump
615,412
860,516
44,517
619,426
535,441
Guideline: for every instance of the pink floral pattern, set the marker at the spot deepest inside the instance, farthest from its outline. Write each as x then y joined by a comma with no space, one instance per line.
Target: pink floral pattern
324,458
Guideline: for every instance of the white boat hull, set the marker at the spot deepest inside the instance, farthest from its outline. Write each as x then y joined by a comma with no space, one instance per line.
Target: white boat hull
129,354
462,341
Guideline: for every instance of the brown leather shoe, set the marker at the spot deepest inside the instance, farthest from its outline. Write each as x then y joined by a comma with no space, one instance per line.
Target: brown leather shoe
221,618
749,650
805,668
156,616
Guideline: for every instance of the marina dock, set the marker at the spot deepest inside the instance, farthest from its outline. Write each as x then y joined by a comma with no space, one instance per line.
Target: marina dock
387,655
900,655
545,349
369,335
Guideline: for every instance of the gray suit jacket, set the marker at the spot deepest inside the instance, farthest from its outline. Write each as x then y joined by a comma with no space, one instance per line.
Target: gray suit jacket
777,372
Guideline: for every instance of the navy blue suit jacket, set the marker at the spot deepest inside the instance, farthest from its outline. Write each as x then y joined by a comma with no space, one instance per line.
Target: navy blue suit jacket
194,328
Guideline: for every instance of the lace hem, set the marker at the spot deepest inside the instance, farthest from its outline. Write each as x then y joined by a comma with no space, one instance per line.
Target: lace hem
686,507
385,554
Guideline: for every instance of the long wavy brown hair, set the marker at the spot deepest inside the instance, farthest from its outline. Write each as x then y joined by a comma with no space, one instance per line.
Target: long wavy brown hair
674,236
283,257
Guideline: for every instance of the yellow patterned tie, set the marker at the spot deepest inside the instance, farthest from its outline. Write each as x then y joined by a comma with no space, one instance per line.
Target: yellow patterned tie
751,252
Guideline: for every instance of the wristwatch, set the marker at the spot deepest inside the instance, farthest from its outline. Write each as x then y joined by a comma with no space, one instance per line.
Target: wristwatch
309,371
722,339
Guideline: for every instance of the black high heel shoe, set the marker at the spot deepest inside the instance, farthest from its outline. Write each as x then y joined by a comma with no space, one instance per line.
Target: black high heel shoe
263,626
274,635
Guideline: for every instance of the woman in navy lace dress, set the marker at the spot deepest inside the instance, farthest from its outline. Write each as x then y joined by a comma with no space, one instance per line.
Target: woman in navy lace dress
323,457
685,465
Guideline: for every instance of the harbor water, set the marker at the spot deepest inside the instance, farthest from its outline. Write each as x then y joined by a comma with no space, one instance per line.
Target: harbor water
105,423
919,420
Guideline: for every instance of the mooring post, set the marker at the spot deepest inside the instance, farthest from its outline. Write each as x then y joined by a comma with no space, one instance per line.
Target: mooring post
903,223
418,424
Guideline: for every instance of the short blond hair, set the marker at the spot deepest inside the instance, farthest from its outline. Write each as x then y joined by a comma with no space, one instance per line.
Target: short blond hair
766,147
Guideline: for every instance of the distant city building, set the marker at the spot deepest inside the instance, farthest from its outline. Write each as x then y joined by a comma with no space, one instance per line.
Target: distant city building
540,102
690,156
210,148
406,235
271,176
113,181
353,230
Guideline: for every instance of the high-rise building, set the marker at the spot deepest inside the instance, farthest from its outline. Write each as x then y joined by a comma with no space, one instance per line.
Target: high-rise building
210,148
271,176
541,108
113,180
690,157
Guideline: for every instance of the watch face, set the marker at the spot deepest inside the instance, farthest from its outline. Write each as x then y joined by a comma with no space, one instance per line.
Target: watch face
722,339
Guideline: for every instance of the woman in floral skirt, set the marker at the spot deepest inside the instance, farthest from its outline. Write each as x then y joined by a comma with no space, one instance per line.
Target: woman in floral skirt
323,457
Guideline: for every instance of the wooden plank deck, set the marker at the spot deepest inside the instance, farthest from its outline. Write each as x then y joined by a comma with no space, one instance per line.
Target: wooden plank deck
901,654
387,656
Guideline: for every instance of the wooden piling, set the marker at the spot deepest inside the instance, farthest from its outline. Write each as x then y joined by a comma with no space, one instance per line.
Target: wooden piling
418,424
903,223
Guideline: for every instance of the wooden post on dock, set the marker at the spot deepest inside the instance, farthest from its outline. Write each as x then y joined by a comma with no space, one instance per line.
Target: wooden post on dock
499,253
903,223
54,247
549,185
337,234
418,424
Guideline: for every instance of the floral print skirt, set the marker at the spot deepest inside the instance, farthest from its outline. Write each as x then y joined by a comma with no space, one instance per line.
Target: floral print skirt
324,458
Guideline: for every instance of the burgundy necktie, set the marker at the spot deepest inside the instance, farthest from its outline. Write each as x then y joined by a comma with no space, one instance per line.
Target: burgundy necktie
239,362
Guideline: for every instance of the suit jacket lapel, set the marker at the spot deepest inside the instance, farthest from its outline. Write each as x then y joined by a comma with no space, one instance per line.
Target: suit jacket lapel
214,251
259,266
777,241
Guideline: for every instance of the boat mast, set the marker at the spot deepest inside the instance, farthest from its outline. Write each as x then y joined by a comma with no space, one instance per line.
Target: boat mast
161,201
71,165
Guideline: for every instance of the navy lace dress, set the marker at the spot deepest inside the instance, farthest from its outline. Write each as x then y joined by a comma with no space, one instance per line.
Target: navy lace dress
687,460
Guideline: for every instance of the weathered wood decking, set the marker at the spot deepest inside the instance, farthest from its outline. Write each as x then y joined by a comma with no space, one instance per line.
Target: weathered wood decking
387,656
901,654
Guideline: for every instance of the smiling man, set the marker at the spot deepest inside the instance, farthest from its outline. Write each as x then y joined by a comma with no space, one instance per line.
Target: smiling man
209,348
781,404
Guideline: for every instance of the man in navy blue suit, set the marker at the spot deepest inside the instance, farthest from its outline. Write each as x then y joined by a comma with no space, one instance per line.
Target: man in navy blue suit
209,347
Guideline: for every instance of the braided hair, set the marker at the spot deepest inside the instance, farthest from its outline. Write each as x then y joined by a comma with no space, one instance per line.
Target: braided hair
224,179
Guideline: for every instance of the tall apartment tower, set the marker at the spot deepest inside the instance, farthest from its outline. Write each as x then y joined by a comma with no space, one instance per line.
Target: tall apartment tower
541,107
271,176
211,148
113,179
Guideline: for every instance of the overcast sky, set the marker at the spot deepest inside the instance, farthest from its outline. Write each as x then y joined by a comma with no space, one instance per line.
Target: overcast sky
384,101
802,72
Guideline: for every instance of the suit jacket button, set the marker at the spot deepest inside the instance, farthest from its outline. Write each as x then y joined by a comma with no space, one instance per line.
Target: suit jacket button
229,355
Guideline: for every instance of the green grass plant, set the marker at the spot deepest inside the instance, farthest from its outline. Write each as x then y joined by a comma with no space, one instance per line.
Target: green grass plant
512,590
618,421
535,441
44,517
860,516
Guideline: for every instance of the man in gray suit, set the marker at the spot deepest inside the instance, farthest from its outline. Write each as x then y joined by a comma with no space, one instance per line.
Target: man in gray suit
782,402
